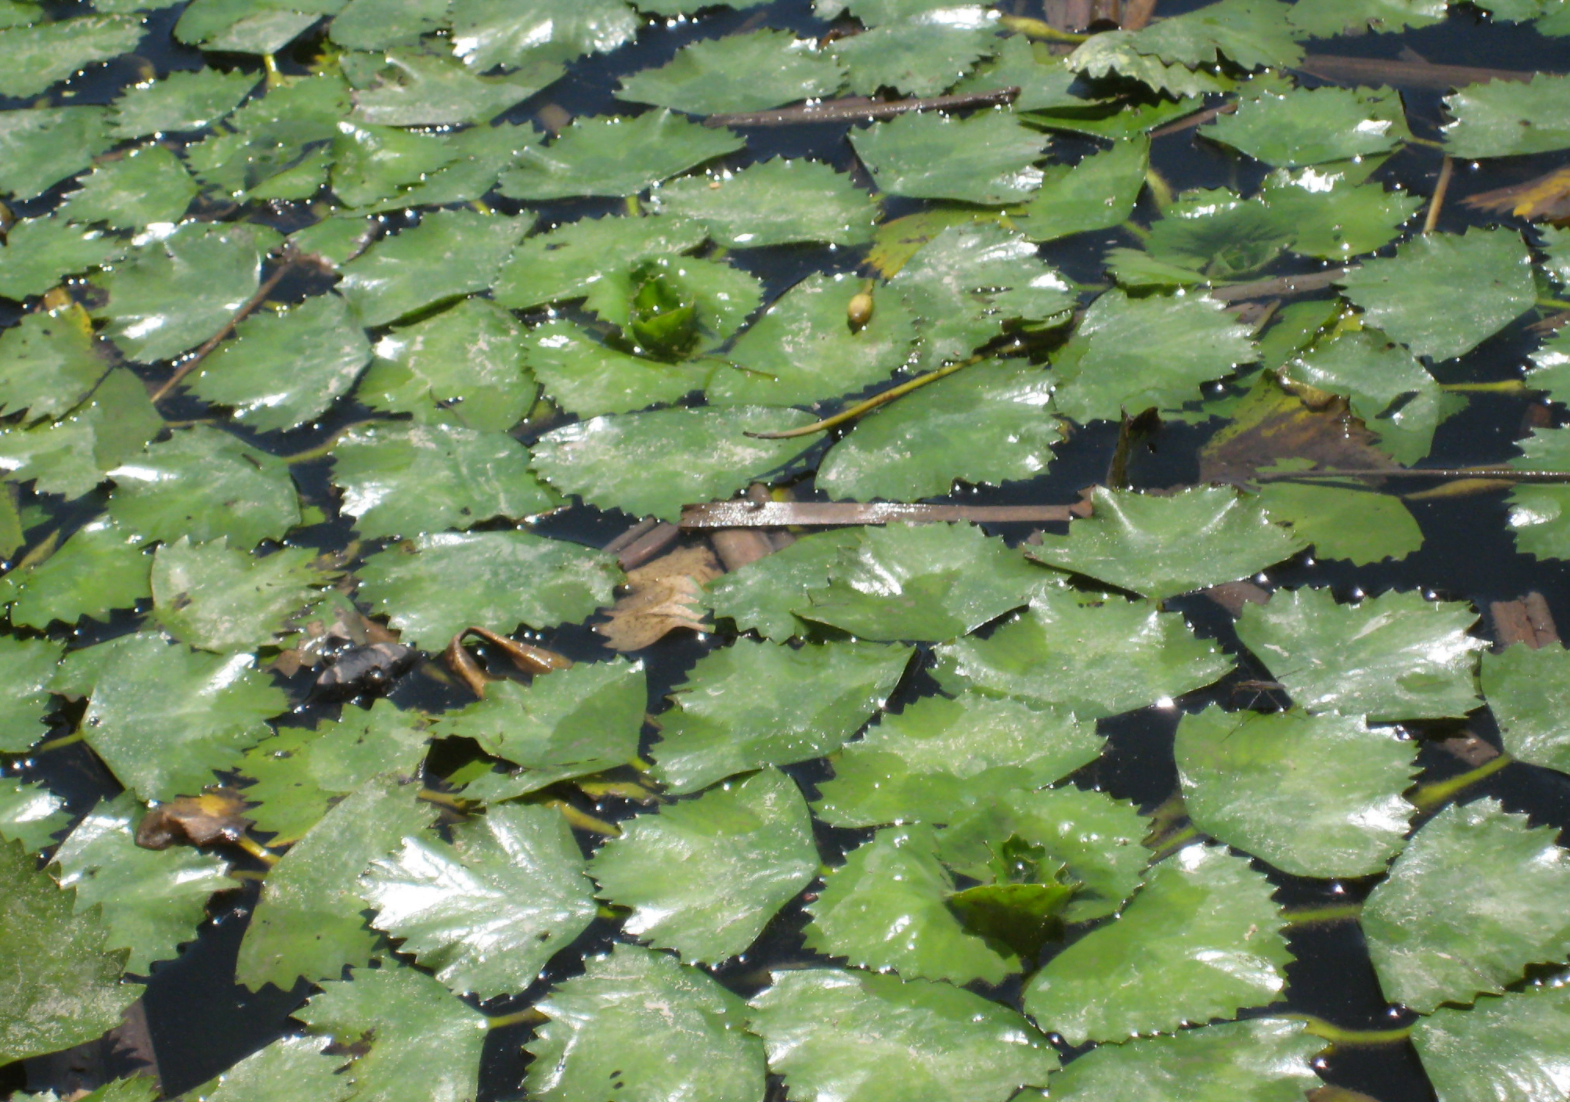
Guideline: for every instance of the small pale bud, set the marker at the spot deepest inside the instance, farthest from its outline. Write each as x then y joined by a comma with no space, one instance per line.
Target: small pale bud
859,312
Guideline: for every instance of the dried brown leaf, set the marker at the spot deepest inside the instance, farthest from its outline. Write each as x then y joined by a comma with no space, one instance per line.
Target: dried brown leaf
661,597
214,816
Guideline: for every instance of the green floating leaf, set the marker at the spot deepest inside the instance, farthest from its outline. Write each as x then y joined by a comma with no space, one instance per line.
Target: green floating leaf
1502,1048
760,596
379,24
1508,118
1091,838
1390,391
1334,217
704,877
147,185
774,202
39,55
414,89
284,369
179,289
924,583
76,453
449,254
614,156
588,378
308,922
920,56
412,1040
487,33
299,773
269,136
1343,522
1442,295
39,252
1211,232
222,599
1537,513
487,911
742,707
1096,194
203,483
30,814
42,146
49,363
921,445
1259,1060
644,1025
1434,938
969,282
740,72
1314,795
942,756
1390,657
239,26
712,298
464,365
1201,940
508,578
575,722
654,463
403,478
945,1043
985,159
572,261
99,568
1040,75
285,1069
886,909
1117,52
179,102
1328,18
1161,546
372,163
62,982
479,155
1310,126
1092,656
162,716
151,900
1252,33
803,348
1528,691
1130,354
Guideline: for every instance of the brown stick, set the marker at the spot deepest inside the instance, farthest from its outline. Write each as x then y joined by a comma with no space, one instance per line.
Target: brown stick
1526,621
1441,187
1275,288
859,108
1137,14
813,514
1411,74
288,257
1502,474
1198,118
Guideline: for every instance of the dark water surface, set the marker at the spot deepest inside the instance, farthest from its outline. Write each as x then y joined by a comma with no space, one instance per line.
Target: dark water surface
202,1023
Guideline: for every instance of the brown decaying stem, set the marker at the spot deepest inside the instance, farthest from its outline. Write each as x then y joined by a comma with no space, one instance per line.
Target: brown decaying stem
1441,187
858,108
1502,474
815,514
288,257
1137,14
1284,285
1413,74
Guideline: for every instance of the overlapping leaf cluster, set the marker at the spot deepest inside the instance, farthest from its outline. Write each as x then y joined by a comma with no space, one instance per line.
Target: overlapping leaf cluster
496,367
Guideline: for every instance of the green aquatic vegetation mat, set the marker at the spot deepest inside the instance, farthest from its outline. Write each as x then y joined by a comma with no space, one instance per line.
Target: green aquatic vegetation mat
338,340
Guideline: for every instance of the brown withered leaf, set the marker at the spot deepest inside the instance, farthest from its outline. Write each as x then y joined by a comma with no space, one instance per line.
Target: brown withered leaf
661,596
1273,424
1545,198
214,816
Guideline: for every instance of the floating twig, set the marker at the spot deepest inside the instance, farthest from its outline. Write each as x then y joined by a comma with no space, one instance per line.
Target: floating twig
1411,74
1198,118
861,108
288,257
1501,474
819,514
1137,14
1441,187
1278,287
